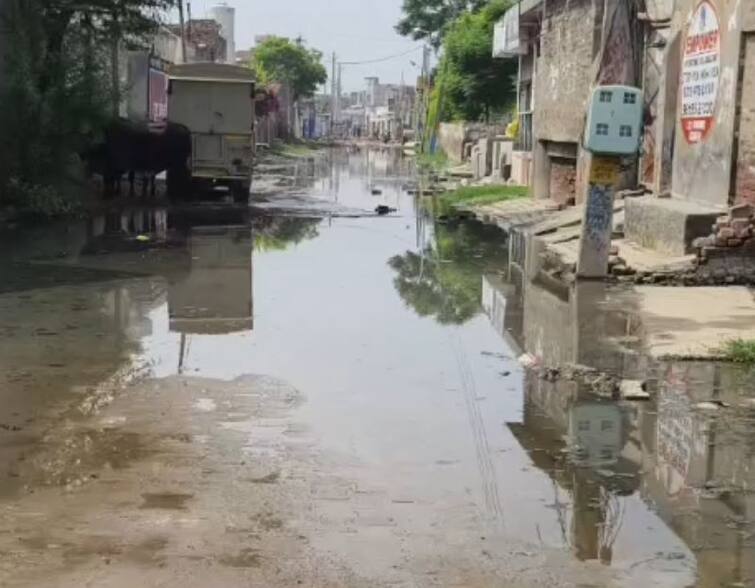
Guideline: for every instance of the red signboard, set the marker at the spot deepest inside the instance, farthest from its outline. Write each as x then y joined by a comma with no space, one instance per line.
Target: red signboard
158,96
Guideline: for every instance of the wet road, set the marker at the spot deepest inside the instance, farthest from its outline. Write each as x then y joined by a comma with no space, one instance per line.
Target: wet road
311,395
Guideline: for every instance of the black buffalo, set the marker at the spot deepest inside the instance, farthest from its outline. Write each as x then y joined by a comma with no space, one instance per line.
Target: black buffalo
133,148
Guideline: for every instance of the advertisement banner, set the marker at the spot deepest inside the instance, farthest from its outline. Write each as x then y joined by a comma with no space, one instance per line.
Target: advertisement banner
158,96
701,69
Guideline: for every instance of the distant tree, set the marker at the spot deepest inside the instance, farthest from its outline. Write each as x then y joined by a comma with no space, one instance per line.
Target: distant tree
472,84
429,19
280,60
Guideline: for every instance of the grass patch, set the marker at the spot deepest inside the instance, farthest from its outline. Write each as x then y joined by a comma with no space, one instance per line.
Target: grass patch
433,162
739,351
480,195
295,150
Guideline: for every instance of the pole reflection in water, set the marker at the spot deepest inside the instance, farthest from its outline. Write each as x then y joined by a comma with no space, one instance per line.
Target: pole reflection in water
694,469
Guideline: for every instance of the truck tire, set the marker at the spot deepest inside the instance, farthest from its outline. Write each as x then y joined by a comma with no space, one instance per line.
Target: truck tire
240,190
179,184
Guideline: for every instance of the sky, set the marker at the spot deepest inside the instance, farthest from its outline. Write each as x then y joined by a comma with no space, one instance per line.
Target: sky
357,30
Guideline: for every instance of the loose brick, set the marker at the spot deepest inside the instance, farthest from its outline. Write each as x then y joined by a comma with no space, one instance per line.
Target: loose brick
742,211
726,233
740,223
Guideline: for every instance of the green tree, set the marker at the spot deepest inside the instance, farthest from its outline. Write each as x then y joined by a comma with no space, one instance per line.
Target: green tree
58,89
280,60
445,281
471,84
429,19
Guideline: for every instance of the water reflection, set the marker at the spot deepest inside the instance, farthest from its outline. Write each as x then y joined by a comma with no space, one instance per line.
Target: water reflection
442,279
694,468
653,490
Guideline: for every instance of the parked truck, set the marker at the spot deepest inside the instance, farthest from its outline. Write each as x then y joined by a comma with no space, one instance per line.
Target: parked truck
216,102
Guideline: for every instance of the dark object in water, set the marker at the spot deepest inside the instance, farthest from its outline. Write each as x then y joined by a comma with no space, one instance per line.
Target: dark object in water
383,209
376,192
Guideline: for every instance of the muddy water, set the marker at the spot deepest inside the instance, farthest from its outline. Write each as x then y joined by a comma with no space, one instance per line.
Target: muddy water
306,393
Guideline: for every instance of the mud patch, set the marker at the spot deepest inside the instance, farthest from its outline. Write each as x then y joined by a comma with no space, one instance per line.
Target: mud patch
268,522
272,478
246,558
165,501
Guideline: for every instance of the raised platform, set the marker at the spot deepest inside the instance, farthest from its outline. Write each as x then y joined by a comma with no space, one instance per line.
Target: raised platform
667,225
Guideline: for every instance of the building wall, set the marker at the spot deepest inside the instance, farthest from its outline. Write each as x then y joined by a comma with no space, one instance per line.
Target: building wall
565,70
702,172
744,185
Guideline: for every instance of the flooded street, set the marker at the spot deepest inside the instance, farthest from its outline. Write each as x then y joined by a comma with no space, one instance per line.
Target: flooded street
308,394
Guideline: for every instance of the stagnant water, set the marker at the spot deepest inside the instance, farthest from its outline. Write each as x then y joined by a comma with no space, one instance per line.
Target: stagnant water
403,336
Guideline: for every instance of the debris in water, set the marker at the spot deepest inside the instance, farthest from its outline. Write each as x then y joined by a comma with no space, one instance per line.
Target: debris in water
383,209
528,360
634,390
142,238
377,192
269,479
707,406
494,354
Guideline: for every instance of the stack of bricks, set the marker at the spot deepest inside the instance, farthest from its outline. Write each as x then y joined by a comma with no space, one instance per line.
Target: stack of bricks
732,231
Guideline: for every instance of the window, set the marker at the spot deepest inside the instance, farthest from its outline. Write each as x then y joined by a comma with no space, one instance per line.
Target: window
583,425
625,131
606,425
630,98
606,96
601,129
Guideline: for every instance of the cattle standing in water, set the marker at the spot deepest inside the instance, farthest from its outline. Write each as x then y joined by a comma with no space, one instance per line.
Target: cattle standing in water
132,148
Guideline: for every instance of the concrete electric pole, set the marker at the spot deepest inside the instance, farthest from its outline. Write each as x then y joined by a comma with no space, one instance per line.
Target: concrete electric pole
333,96
182,23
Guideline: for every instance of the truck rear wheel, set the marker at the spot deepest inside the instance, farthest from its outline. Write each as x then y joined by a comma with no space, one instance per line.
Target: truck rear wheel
240,191
179,184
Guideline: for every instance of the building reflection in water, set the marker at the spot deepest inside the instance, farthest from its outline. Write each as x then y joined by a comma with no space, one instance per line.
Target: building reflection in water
695,469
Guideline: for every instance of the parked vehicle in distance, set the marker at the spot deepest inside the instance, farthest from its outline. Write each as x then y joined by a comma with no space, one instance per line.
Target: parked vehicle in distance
216,103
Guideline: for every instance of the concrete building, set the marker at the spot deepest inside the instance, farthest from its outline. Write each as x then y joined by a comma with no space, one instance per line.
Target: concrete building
694,60
144,77
244,57
225,16
389,109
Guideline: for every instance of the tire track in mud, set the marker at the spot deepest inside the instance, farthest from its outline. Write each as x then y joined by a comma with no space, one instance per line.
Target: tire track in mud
491,491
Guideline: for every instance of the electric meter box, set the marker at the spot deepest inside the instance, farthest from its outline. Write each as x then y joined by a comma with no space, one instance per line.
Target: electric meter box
614,120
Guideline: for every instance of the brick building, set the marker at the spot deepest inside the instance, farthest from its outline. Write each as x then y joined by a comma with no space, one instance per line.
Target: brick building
694,60
205,37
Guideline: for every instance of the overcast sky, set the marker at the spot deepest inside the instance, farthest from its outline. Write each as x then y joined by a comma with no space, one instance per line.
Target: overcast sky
356,30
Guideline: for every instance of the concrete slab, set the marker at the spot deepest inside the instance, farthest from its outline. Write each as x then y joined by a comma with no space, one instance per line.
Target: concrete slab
515,213
648,260
694,322
667,225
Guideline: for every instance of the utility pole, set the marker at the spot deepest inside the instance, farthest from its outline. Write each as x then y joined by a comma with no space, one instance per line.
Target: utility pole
423,101
333,97
339,93
182,24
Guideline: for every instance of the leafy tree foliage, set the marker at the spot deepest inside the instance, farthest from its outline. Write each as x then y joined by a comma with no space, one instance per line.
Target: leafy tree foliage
281,60
445,281
58,87
472,85
429,19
